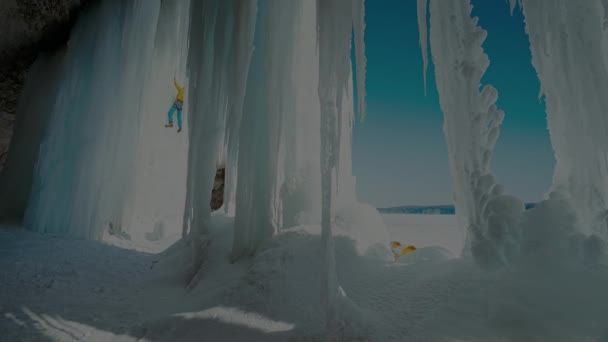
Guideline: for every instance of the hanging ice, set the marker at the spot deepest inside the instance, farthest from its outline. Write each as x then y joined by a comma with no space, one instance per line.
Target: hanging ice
334,25
512,4
568,40
280,136
84,172
471,128
298,182
242,49
213,76
267,104
422,30
359,28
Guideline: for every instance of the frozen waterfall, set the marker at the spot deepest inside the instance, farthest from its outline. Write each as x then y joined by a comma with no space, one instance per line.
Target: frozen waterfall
269,94
85,169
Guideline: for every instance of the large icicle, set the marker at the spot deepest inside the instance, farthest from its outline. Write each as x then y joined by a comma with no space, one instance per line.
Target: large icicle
512,4
334,28
568,40
209,67
299,174
471,127
344,185
268,102
242,49
82,183
359,28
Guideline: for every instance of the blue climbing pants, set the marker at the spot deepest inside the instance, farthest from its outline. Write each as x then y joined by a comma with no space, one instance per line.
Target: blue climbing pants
177,105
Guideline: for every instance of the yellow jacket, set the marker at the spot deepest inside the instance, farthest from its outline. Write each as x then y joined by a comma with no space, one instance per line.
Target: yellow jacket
180,91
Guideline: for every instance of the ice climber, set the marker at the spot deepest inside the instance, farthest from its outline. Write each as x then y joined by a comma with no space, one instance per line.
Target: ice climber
178,105
399,250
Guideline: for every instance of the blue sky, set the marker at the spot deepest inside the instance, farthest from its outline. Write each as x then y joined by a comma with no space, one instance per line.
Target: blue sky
399,153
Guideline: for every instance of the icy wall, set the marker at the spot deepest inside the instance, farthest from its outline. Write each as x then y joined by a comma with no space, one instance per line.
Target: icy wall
95,130
568,40
160,173
84,173
471,126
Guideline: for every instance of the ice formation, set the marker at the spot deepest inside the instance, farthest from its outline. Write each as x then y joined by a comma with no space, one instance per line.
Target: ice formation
267,105
269,94
569,53
512,4
358,7
160,181
84,172
334,27
209,60
279,137
492,219
471,126
242,47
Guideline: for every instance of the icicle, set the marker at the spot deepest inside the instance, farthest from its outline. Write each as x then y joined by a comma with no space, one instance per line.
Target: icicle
214,95
422,30
242,50
359,28
512,4
298,180
267,103
334,33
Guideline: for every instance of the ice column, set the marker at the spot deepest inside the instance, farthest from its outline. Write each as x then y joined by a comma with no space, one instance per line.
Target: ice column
242,50
334,28
211,76
471,126
269,106
569,44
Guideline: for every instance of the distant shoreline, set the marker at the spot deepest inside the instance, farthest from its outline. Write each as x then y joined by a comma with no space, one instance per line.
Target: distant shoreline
429,209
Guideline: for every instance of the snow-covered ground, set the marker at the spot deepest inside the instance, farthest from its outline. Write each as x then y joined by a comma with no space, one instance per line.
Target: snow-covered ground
54,289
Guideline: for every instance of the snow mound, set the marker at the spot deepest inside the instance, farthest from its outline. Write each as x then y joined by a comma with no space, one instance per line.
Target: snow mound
275,295
548,231
286,271
364,224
